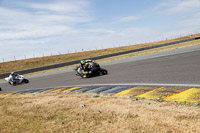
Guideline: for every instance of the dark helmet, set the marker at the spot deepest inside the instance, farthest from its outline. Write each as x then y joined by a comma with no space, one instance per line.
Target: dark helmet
82,62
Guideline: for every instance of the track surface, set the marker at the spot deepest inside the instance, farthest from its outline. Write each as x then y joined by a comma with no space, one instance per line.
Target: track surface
182,68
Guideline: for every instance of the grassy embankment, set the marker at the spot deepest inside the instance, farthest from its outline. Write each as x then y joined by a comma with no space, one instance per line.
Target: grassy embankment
84,113
49,60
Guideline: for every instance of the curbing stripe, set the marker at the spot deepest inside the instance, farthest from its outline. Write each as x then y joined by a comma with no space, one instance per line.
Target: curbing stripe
42,90
125,92
100,89
33,91
65,88
86,89
173,94
180,94
140,90
189,95
28,91
48,90
58,89
116,89
148,94
164,91
70,89
9,93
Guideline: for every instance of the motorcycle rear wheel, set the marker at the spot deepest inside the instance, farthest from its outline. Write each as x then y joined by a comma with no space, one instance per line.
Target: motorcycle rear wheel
26,81
14,83
104,71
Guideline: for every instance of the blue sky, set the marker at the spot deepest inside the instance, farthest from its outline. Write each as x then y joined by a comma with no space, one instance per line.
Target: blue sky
31,28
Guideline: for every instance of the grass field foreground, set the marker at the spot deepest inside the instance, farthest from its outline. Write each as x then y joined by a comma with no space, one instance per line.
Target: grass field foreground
49,60
84,113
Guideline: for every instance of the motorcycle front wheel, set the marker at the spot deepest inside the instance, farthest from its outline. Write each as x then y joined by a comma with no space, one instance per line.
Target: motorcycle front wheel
26,81
104,71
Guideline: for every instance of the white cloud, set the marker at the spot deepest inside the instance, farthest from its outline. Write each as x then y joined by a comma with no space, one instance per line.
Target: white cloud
60,6
35,33
177,6
20,24
109,38
28,26
190,21
128,19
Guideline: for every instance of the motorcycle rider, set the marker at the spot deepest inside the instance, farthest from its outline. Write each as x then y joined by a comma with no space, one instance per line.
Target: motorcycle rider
12,76
89,68
85,67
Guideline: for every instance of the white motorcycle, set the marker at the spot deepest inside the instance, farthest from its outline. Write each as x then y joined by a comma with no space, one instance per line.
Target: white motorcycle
19,80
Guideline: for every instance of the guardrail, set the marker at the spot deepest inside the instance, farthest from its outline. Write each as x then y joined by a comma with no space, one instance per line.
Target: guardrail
95,58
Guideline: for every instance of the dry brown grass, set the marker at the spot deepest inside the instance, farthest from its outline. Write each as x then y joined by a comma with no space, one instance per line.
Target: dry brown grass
61,112
49,60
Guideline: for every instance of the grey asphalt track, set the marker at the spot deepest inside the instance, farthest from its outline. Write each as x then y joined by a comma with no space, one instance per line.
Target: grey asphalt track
179,66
